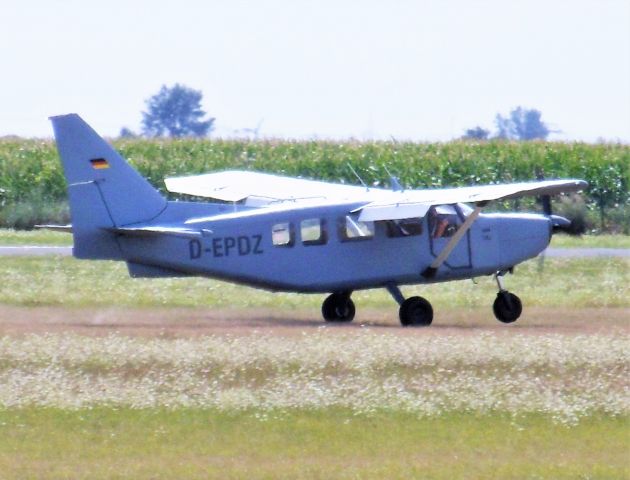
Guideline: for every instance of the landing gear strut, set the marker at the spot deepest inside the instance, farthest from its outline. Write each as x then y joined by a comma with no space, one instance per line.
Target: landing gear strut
338,307
507,307
414,311
417,311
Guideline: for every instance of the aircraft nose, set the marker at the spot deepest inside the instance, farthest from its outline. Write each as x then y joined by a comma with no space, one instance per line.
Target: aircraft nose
561,224
523,236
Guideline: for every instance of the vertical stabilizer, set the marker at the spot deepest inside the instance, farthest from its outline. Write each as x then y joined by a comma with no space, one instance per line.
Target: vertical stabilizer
104,191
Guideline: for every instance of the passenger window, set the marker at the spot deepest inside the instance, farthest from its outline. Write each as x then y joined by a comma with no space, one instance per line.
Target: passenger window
313,231
351,229
444,221
282,234
406,227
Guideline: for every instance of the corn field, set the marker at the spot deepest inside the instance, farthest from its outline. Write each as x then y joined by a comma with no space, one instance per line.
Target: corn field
30,171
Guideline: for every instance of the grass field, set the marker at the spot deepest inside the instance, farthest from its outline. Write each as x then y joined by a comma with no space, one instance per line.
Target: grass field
598,282
322,404
106,443
564,376
545,398
34,237
591,241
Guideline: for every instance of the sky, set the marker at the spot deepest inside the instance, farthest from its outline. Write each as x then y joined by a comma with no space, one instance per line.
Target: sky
332,69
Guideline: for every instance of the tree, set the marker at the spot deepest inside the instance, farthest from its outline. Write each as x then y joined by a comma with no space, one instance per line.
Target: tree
522,124
476,133
126,132
175,112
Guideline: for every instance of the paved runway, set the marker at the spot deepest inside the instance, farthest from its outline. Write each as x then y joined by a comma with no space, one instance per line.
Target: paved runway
30,251
587,252
34,251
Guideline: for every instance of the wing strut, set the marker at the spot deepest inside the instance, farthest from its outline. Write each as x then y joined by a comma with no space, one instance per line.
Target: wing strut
432,269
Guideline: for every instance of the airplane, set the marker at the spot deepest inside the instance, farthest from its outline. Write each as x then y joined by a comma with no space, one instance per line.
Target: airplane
298,235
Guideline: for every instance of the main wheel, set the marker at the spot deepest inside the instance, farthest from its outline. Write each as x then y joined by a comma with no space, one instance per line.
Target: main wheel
338,308
416,311
507,307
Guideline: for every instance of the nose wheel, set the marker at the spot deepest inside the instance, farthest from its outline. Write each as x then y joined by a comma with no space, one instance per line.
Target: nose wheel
507,307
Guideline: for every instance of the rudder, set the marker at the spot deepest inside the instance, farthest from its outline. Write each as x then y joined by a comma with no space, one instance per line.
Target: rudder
104,191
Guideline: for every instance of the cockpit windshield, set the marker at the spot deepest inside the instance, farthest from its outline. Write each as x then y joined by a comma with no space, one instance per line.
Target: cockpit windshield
465,209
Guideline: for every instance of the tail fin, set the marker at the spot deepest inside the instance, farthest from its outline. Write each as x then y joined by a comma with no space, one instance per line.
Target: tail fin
103,189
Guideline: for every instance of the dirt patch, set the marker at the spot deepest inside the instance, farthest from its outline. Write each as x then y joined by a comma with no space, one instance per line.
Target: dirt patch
185,322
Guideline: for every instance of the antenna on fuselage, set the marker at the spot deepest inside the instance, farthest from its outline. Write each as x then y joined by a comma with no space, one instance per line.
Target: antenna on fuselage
357,175
394,182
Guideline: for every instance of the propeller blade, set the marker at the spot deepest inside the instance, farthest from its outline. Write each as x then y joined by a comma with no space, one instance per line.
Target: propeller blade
546,205
541,261
545,200
564,225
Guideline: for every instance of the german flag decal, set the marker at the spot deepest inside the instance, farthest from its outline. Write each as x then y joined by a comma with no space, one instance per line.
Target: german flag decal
99,163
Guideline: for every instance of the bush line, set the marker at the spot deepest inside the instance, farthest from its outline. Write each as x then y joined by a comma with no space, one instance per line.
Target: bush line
30,172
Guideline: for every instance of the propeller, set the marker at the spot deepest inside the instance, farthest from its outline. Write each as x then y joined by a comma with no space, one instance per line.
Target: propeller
558,224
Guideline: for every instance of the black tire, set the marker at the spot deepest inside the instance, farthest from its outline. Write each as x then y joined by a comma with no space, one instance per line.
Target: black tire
416,312
507,307
338,308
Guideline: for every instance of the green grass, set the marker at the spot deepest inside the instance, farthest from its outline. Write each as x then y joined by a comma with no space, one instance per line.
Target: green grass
34,237
191,443
595,282
589,241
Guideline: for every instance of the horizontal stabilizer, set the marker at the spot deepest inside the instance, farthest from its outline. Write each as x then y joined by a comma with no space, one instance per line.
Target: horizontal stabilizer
156,230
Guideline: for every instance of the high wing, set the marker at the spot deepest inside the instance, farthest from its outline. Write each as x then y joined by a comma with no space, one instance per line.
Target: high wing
262,189
259,188
415,203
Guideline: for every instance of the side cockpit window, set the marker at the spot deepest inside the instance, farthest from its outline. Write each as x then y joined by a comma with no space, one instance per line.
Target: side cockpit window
406,227
351,229
444,221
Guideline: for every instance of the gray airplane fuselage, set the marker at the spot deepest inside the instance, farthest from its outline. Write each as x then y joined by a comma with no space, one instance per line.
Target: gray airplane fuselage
237,246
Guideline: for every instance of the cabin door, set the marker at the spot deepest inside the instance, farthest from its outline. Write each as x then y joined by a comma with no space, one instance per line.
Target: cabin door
443,222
